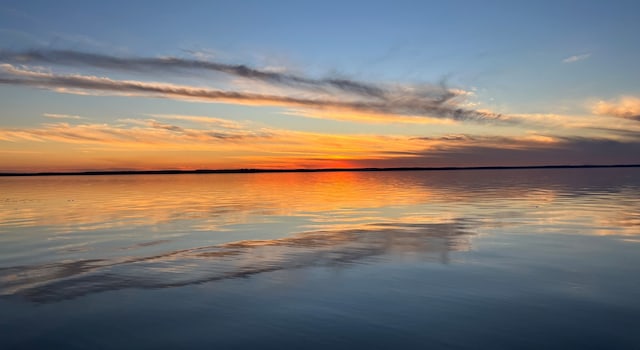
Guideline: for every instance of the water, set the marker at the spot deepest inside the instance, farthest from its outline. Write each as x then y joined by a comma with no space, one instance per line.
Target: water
452,259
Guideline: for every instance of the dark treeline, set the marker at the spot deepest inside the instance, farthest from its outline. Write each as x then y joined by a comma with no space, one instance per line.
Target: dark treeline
249,170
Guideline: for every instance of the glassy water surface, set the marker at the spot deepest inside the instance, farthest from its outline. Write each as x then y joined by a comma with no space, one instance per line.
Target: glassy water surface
447,259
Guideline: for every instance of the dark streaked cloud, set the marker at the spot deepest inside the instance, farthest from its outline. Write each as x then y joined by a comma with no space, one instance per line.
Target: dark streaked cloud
162,64
411,104
434,100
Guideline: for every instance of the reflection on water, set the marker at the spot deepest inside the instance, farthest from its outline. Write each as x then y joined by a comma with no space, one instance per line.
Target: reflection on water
345,258
69,279
75,204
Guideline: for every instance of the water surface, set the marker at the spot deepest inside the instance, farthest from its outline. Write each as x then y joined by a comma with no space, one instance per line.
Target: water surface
449,259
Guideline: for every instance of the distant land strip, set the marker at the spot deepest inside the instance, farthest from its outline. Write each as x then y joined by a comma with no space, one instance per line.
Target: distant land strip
318,170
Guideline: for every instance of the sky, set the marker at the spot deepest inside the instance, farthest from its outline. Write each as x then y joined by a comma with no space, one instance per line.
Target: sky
152,85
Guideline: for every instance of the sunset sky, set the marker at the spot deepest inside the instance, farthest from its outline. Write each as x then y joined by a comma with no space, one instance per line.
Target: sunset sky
113,85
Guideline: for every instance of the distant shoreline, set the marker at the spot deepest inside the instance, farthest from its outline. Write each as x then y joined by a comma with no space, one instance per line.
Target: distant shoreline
319,170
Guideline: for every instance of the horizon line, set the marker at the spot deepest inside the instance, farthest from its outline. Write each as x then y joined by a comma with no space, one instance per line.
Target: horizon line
308,170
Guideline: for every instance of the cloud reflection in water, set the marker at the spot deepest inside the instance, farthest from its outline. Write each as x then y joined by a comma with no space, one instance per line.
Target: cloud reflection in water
70,279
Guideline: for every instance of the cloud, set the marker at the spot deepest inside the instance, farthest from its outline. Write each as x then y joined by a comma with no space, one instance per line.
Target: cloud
151,135
202,120
343,114
420,100
589,126
160,143
469,150
164,64
576,58
623,107
135,133
62,116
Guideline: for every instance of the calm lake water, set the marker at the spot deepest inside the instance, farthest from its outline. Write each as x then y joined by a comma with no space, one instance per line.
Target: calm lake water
445,259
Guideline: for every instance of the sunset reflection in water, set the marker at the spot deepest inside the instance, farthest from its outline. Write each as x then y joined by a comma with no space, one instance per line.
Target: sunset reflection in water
424,240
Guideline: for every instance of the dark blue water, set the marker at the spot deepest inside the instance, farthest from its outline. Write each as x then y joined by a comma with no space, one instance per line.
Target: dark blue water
462,260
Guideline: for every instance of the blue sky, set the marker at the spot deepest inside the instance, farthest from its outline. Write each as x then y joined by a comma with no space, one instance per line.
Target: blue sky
571,61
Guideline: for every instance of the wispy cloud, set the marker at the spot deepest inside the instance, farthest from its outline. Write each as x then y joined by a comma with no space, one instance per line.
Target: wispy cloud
591,126
152,134
576,58
169,64
157,143
62,116
468,150
623,107
369,117
266,147
202,120
124,132
425,100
